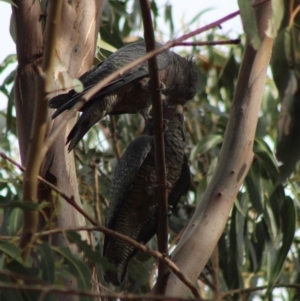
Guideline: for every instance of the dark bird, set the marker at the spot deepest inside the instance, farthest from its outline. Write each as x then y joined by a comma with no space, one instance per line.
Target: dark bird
130,92
133,196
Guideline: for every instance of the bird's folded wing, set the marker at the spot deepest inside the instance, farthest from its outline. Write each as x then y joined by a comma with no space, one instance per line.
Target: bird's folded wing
125,173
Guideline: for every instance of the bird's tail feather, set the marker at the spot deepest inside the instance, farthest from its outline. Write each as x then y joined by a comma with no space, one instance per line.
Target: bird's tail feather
83,124
59,100
94,111
62,102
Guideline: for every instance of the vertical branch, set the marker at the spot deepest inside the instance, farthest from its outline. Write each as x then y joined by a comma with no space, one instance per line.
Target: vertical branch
162,233
96,193
34,157
29,46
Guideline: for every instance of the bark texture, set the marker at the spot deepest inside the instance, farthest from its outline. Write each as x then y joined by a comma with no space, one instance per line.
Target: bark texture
74,54
208,222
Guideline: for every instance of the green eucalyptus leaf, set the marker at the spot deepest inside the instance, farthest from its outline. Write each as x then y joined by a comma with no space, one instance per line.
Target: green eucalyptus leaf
288,220
47,263
78,268
206,144
11,250
92,255
249,22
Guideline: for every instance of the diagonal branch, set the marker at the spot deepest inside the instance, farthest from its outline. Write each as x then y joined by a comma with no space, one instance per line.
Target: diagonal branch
105,230
69,200
210,43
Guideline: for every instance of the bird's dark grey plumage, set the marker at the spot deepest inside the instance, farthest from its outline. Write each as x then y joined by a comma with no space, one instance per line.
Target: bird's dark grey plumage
133,204
130,92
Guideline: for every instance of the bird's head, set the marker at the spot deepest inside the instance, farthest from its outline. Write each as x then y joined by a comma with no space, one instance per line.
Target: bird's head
185,83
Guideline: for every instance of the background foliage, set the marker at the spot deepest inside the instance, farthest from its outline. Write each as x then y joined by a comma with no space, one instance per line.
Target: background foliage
259,245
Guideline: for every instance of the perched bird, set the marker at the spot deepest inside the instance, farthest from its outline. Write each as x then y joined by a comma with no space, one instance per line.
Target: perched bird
133,196
130,92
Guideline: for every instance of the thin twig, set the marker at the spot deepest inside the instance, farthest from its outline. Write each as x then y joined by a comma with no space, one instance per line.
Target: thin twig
114,137
69,200
258,288
212,43
27,279
55,289
159,147
135,244
96,193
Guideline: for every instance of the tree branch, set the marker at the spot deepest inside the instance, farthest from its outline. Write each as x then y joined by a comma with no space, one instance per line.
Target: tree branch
207,43
234,162
69,200
34,157
55,289
258,288
96,193
105,230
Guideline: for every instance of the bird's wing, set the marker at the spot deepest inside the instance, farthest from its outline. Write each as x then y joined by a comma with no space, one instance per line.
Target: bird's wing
182,185
66,101
181,188
122,57
124,175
